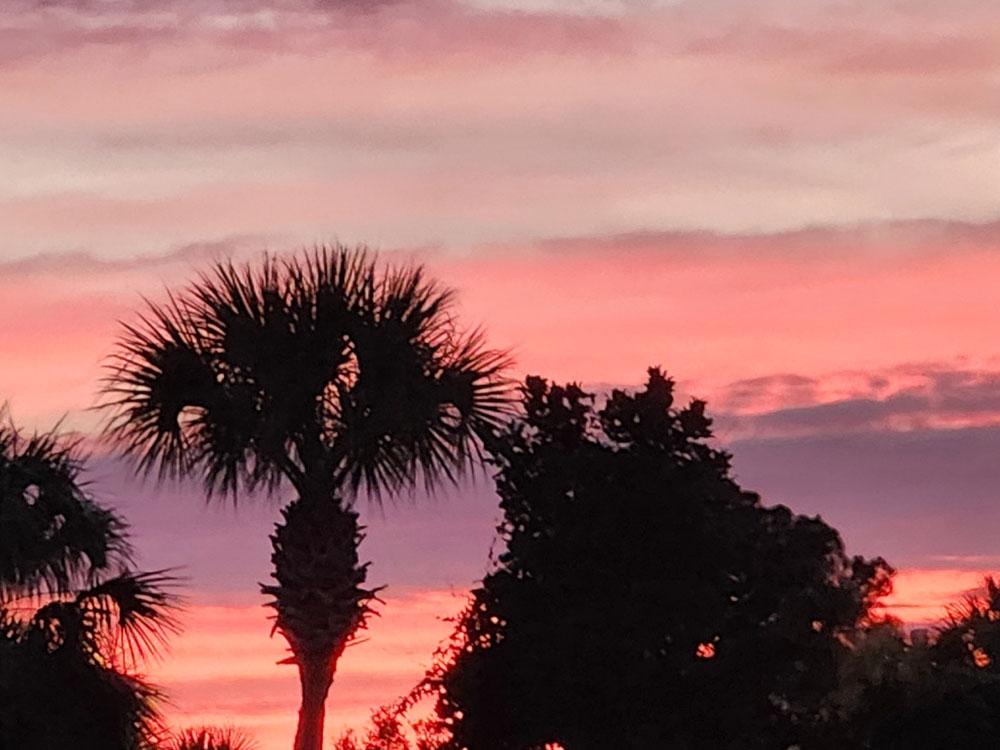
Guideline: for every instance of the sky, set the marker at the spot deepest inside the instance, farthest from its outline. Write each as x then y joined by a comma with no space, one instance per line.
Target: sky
791,205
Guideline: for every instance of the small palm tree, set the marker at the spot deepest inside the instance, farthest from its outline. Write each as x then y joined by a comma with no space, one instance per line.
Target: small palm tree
211,738
324,371
74,620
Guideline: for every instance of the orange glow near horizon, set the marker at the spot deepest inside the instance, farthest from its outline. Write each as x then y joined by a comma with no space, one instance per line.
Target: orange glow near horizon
922,597
223,668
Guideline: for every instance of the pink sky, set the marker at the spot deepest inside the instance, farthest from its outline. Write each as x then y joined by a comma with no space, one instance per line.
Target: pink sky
790,204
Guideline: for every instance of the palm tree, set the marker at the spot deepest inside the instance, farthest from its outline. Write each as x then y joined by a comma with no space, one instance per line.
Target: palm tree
74,619
53,535
325,371
66,670
211,738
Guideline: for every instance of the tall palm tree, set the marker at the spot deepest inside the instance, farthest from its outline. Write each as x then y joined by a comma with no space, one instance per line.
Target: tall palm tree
325,371
74,619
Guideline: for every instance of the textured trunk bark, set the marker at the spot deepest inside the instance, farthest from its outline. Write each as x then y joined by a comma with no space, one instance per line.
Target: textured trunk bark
319,598
316,676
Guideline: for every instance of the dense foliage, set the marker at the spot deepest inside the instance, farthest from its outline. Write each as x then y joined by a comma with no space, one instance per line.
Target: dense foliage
644,599
74,619
936,689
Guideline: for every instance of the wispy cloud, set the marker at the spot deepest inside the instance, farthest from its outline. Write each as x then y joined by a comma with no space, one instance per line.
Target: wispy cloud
130,123
720,310
917,396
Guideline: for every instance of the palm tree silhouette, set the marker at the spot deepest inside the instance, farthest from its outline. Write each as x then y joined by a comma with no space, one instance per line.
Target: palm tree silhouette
74,618
53,535
211,738
325,371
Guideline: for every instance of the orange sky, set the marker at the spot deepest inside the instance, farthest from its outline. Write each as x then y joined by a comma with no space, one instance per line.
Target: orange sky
222,670
789,204
223,666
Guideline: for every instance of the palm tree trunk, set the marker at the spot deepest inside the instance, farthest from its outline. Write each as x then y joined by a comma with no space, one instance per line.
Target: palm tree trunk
316,676
320,600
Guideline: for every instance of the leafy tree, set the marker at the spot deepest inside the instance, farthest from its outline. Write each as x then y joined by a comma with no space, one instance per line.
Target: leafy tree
73,617
324,372
971,634
644,599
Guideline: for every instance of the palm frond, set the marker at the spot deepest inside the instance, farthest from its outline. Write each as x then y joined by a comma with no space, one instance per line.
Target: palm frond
424,396
134,610
159,374
212,738
324,364
117,622
53,535
61,699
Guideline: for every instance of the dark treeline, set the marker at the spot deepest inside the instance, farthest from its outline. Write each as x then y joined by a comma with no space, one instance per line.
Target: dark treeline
645,600
642,599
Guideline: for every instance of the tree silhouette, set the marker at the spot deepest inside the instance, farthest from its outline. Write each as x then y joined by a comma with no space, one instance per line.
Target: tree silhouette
211,738
644,599
323,371
971,634
73,618
52,533
390,731
934,693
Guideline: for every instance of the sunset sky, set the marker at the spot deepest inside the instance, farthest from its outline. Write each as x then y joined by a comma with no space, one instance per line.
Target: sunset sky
791,205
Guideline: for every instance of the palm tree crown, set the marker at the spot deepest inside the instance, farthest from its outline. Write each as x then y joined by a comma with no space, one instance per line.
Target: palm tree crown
323,370
53,536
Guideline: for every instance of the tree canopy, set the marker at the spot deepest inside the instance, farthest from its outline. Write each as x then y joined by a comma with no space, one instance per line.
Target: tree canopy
643,598
325,369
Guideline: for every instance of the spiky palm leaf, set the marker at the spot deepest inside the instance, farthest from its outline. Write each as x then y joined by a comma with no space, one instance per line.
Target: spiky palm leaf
212,738
70,629
66,676
52,533
324,365
119,621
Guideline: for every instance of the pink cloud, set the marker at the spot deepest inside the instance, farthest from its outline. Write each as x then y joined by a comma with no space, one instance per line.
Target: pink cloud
916,38
129,124
908,397
712,308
